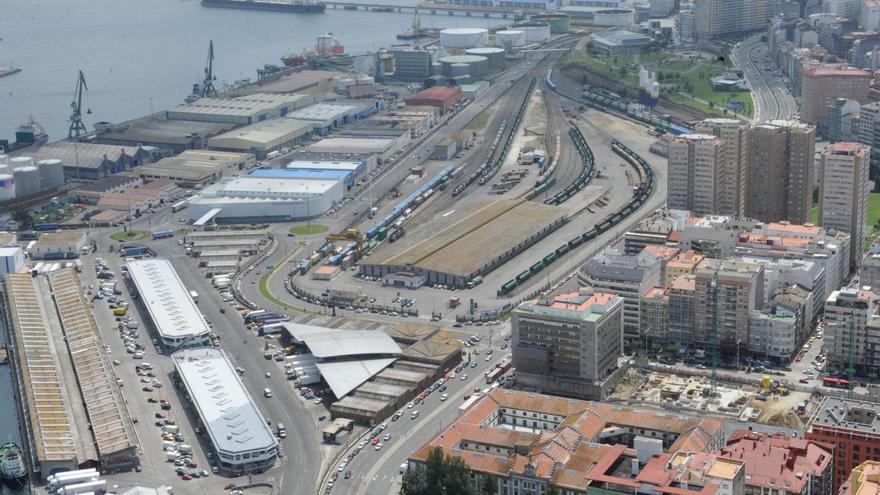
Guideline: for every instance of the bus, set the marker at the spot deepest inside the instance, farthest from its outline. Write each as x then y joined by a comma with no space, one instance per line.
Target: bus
500,369
179,206
831,382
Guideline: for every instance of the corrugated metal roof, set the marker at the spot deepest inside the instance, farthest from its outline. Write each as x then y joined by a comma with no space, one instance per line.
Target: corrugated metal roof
331,343
170,306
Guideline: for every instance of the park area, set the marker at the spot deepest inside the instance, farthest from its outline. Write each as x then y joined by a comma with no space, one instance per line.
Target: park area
684,79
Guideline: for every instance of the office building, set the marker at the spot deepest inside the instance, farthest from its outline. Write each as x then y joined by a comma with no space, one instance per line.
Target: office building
735,133
852,427
848,9
655,315
852,330
697,174
822,85
663,8
411,64
681,312
740,291
718,18
777,463
843,191
568,344
780,173
869,272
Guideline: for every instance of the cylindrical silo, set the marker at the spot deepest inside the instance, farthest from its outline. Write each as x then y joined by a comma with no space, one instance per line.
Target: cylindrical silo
493,54
536,32
456,70
464,37
7,187
27,181
51,173
510,38
559,23
477,65
21,161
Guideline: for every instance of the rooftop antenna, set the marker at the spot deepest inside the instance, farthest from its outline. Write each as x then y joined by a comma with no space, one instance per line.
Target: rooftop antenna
76,124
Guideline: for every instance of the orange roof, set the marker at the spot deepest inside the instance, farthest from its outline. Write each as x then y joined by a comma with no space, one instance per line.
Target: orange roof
660,251
807,228
656,292
596,298
684,282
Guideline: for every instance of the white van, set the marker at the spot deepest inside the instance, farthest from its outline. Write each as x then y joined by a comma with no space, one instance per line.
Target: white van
267,393
414,415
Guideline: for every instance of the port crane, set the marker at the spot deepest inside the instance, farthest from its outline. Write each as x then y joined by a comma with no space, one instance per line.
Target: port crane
76,124
207,90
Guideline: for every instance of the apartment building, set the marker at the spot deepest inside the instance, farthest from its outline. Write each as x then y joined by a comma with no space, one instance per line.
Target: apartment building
681,292
569,343
852,427
735,133
843,191
655,315
773,333
780,172
628,276
776,463
869,272
821,85
864,480
697,173
869,15
740,291
683,263
852,329
718,18
527,443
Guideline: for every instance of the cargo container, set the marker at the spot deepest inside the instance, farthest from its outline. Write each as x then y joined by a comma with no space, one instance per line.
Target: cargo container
134,252
96,486
71,477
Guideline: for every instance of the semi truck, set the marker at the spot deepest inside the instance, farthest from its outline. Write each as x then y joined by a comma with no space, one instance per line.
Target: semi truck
96,486
163,234
135,252
71,477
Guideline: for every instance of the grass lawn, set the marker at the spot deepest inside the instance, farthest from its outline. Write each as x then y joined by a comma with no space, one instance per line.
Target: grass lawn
678,75
132,235
263,284
482,119
314,228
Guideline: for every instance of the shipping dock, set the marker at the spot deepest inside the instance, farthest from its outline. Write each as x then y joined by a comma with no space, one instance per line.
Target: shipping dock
271,6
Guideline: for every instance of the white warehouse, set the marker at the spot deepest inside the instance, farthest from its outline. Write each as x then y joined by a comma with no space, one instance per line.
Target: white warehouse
266,199
175,316
241,441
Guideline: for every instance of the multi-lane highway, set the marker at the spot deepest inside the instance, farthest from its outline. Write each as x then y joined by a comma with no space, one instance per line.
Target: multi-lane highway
772,99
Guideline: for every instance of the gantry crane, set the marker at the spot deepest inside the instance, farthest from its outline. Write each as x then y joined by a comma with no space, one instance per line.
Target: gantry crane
76,124
207,90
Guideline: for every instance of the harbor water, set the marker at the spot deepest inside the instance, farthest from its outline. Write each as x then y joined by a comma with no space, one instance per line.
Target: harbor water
9,431
140,55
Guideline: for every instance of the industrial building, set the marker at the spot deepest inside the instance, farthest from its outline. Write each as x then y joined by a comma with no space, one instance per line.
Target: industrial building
92,192
241,110
326,117
64,243
352,170
11,260
174,316
198,168
489,235
383,148
620,41
439,97
263,138
417,119
266,199
172,135
240,439
411,64
369,159
569,344
135,201
87,161
71,408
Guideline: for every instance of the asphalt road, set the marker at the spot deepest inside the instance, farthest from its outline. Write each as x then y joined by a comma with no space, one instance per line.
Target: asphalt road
773,100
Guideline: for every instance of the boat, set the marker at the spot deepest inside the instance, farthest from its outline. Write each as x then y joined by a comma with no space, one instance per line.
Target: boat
294,60
12,466
295,6
30,133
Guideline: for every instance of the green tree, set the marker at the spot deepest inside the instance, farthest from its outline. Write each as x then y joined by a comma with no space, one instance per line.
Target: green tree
434,467
414,483
551,490
489,485
23,218
456,477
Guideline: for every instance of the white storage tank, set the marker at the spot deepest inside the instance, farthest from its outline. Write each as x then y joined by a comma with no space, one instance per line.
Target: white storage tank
27,181
51,173
494,54
21,161
510,38
535,32
7,187
614,18
464,37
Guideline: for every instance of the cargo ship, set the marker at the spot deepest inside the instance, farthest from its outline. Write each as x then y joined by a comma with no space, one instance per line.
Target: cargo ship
12,466
326,46
295,6
31,133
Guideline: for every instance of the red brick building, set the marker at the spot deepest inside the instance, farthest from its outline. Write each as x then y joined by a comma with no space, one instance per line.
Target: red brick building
442,97
853,428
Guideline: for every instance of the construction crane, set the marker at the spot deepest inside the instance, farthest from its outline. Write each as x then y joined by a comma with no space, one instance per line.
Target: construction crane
714,381
851,368
207,90
76,124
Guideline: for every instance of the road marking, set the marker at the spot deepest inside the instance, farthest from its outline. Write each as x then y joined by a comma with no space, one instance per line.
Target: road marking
450,212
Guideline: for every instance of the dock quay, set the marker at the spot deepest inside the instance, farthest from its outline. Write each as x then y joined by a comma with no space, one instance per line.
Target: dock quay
72,410
428,9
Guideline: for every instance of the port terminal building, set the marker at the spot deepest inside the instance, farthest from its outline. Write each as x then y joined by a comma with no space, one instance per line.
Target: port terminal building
240,439
263,138
174,316
198,168
72,410
241,110
326,117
